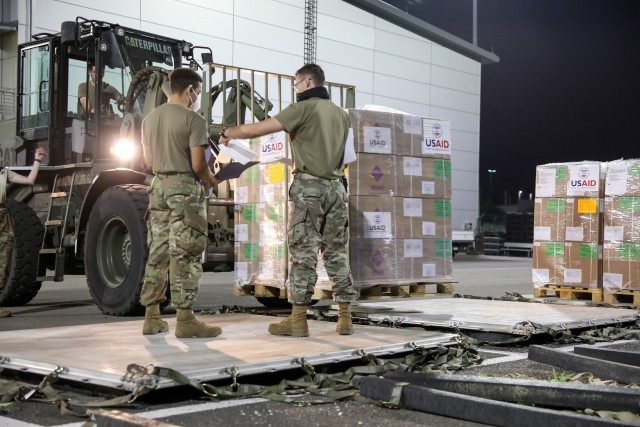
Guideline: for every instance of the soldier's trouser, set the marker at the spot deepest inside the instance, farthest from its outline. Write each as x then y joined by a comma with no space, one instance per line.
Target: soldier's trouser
6,244
318,218
177,236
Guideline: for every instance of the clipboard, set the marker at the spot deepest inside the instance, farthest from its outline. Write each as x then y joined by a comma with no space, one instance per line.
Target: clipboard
233,170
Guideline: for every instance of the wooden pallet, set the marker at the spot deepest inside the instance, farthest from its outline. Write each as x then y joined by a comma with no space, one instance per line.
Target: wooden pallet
569,292
412,290
627,296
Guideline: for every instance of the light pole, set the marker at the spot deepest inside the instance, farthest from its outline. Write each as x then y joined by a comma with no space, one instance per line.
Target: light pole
491,172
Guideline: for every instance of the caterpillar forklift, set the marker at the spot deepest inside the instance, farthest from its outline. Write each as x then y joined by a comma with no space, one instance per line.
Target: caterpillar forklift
86,212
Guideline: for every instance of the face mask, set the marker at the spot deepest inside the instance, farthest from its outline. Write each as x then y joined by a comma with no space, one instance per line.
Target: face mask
195,105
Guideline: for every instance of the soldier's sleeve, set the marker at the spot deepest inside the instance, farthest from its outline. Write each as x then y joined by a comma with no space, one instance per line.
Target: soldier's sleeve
291,117
197,130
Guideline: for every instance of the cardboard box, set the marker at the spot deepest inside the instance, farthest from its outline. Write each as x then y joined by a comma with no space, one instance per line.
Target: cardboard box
423,177
372,217
373,261
372,174
621,266
423,259
623,178
376,132
582,265
548,263
426,137
422,218
622,219
583,220
549,219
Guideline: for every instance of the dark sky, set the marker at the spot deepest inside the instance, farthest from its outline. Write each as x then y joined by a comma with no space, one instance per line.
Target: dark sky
567,87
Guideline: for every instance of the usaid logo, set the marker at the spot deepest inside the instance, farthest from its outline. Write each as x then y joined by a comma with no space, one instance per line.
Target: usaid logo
377,219
437,130
583,181
272,138
584,173
377,225
377,134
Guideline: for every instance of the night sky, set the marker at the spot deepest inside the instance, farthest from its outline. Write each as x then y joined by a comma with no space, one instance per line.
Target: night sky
567,87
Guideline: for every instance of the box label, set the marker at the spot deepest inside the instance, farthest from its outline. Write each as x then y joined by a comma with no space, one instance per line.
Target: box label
377,225
541,233
377,140
554,249
540,276
437,137
561,172
273,147
250,250
412,207
276,212
428,228
265,270
241,195
630,204
444,248
589,251
267,193
587,206
572,275
241,232
546,182
574,234
268,232
413,248
275,173
612,280
555,205
442,208
241,270
412,124
412,166
428,270
583,179
616,183
428,188
614,233
250,212
251,175
442,168
634,170
628,251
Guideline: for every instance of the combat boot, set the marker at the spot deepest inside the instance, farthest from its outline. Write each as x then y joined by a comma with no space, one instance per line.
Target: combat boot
153,324
187,326
344,326
295,325
4,313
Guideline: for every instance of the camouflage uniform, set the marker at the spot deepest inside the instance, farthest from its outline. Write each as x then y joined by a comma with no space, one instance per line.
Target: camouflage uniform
177,236
318,219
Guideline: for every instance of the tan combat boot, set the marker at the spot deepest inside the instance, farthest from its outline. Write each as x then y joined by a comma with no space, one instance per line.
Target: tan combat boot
344,326
4,313
295,325
188,326
153,324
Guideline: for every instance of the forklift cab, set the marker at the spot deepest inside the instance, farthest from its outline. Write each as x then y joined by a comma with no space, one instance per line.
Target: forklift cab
55,74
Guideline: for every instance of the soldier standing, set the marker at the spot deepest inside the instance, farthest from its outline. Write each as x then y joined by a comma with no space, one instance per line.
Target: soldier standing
174,138
318,211
6,227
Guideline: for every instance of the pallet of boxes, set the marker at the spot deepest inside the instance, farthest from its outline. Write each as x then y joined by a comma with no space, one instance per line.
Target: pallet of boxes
587,232
399,211
567,247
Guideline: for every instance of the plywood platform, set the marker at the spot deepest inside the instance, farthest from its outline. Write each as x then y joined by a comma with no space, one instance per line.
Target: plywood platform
491,316
99,354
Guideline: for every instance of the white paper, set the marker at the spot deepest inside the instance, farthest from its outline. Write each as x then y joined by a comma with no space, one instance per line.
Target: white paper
267,193
616,183
241,232
241,195
412,207
428,270
412,124
428,228
428,187
238,150
540,276
574,234
267,232
614,233
413,248
572,275
436,137
241,270
412,166
542,233
350,149
612,281
78,132
377,225
377,140
546,185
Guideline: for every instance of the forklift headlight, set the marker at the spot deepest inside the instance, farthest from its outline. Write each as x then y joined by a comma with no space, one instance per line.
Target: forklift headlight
124,149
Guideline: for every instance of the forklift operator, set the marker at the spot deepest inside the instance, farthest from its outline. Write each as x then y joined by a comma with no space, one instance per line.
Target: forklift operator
108,93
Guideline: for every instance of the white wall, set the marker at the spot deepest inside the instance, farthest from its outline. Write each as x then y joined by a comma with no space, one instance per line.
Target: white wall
389,65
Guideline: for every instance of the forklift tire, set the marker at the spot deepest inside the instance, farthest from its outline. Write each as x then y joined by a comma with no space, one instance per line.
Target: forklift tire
116,251
21,285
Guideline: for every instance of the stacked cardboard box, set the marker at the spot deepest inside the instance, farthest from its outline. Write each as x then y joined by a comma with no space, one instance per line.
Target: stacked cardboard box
567,248
400,199
622,226
260,194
